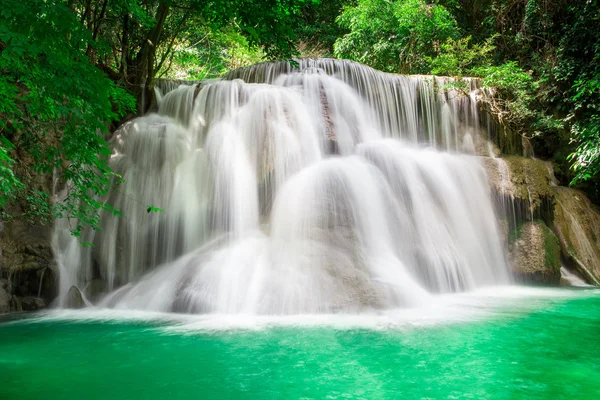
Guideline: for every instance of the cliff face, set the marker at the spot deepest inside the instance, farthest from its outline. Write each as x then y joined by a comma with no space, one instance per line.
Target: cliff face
535,254
27,264
537,213
27,267
577,225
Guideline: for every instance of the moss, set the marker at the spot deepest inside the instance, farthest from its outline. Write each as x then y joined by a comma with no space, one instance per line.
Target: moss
535,254
552,247
577,225
514,234
525,182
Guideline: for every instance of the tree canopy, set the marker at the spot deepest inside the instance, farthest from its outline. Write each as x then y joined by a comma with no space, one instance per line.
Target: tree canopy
71,70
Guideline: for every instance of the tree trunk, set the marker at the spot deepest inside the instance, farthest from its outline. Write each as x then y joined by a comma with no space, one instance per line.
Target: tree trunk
142,72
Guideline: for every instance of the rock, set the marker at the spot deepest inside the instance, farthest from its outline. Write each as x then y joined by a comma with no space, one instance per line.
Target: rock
26,256
31,303
75,298
96,289
525,182
476,143
46,283
535,255
5,301
16,305
8,302
577,225
6,285
503,228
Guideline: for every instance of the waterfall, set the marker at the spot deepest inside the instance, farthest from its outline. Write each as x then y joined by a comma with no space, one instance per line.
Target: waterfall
320,187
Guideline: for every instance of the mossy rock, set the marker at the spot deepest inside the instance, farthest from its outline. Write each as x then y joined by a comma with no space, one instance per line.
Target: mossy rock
577,225
535,255
522,179
74,298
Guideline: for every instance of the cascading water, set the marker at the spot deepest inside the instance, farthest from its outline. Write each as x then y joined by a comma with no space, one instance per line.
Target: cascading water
304,190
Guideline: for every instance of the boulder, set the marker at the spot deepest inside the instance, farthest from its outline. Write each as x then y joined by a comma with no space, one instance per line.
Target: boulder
31,303
577,225
535,255
74,298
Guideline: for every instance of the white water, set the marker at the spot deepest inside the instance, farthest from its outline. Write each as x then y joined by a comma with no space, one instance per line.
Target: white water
482,305
306,194
572,279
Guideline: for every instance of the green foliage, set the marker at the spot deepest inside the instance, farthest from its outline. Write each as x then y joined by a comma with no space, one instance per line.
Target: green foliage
9,184
56,105
579,66
586,158
459,57
70,68
150,209
514,103
394,36
217,52
318,31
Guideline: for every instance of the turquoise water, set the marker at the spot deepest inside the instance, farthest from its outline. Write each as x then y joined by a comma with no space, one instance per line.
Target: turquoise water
532,345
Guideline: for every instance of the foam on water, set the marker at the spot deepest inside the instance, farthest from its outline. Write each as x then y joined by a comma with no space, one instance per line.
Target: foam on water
459,308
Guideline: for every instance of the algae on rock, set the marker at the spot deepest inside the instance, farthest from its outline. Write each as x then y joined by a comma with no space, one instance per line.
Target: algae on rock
535,254
523,180
577,224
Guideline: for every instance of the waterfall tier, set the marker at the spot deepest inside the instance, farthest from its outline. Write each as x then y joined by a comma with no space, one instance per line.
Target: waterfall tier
305,190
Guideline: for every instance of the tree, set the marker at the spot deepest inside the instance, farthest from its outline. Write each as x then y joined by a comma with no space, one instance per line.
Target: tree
394,36
72,69
55,107
141,37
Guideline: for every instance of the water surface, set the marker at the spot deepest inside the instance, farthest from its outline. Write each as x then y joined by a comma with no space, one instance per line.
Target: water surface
511,344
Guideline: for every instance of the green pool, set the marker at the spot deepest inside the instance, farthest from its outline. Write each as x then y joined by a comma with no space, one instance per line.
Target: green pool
509,344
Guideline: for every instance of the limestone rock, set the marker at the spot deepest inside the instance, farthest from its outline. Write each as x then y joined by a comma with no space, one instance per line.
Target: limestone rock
524,180
8,302
75,298
535,255
31,303
95,289
504,231
6,285
5,300
577,225
26,256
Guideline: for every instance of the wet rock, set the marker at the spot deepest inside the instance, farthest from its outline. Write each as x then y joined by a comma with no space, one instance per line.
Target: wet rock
503,228
96,289
5,300
75,298
47,283
577,225
6,285
526,182
8,302
535,255
26,256
16,305
31,303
